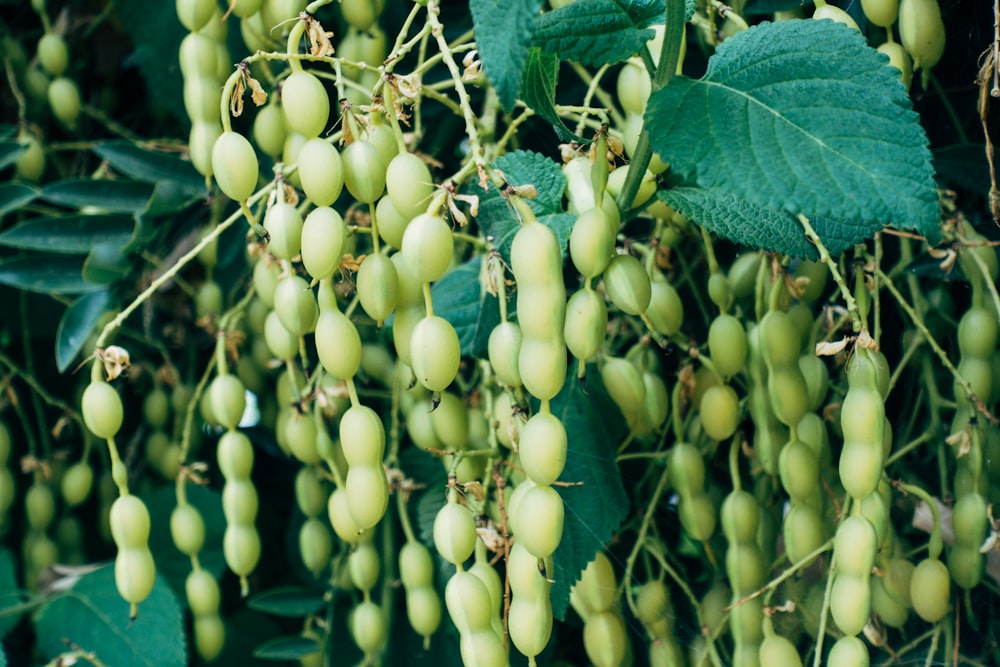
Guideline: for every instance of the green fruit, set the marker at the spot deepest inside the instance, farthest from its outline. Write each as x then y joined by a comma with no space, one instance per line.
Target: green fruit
409,183
586,323
454,533
428,246
543,448
64,100
540,516
202,591
720,411
592,242
227,397
53,54
102,410
364,171
39,506
367,494
187,529
195,14
436,353
76,483
627,284
504,347
305,103
283,223
930,590
296,306
269,129
234,164
378,287
129,520
135,574
322,242
321,171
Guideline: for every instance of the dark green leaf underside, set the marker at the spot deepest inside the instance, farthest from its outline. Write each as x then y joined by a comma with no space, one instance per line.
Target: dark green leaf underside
76,325
46,274
596,503
460,299
15,195
99,194
171,564
503,31
151,166
10,151
286,648
69,234
288,601
541,74
804,117
94,617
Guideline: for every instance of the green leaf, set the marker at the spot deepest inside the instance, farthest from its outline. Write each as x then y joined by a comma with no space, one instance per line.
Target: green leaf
541,73
46,274
644,12
104,195
93,616
740,221
10,151
171,564
161,33
76,325
12,598
7,130
70,233
801,116
15,195
151,166
290,601
591,32
459,298
521,168
286,648
596,504
964,165
503,31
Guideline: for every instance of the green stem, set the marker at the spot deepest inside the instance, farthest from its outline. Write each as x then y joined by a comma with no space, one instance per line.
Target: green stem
183,261
845,290
665,69
935,543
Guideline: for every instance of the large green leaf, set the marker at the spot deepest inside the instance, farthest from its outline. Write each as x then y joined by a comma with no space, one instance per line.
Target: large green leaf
593,32
105,195
758,227
503,37
801,116
15,195
288,601
497,220
596,503
93,616
70,234
171,564
76,325
151,166
541,73
12,598
459,298
156,31
46,274
10,151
